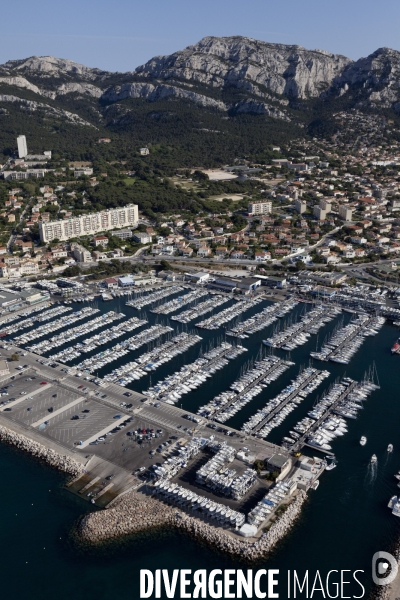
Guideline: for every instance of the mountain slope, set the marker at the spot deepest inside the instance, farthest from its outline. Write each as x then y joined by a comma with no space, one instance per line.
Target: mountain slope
209,100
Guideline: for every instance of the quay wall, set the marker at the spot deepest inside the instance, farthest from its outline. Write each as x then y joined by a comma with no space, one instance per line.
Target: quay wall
62,462
135,512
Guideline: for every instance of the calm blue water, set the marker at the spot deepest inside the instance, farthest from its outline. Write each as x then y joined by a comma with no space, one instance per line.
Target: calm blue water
344,522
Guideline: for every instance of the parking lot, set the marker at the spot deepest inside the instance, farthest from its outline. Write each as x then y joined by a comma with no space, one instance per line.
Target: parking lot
67,430
129,451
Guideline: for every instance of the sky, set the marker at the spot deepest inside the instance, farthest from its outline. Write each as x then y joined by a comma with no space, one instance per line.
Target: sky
119,35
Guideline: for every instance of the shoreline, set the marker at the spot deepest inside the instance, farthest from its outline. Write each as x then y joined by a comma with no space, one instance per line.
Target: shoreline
63,463
134,513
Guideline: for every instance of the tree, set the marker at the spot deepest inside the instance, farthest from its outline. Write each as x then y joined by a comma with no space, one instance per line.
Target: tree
300,265
14,357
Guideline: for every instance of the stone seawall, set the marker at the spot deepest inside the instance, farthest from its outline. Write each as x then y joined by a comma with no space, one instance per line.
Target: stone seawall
51,457
135,512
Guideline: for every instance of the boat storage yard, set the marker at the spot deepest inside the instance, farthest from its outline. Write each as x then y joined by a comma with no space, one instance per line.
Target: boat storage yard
224,406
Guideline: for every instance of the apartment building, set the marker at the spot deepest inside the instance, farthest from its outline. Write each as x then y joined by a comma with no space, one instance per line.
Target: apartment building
300,206
319,213
259,207
90,224
345,213
80,253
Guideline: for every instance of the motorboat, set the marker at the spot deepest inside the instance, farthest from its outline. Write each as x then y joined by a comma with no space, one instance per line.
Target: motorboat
331,465
374,459
394,504
363,440
390,448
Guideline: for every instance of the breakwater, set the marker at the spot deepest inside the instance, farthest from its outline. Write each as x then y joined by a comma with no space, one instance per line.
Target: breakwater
64,463
135,512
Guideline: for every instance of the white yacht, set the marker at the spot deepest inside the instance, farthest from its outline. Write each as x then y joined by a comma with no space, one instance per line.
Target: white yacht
363,440
394,504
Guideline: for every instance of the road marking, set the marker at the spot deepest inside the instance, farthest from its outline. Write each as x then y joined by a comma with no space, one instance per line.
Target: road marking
58,412
102,432
26,396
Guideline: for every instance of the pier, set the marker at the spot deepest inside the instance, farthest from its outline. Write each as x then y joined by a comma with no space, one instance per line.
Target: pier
286,401
301,441
298,333
345,342
191,376
222,407
156,296
262,320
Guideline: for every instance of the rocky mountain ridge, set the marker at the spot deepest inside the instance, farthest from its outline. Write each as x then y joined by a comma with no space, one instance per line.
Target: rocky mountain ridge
231,75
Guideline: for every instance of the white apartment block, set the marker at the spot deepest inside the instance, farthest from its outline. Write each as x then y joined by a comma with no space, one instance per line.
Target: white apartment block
326,205
300,206
80,253
260,207
345,213
19,175
22,147
319,213
91,224
87,171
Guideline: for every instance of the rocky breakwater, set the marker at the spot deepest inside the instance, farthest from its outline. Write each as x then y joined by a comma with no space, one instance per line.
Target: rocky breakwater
62,462
135,512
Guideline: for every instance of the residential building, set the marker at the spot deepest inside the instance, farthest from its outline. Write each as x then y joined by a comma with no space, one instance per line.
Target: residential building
80,253
259,207
203,251
19,175
325,205
89,224
122,234
100,240
142,238
22,146
319,213
300,206
111,283
144,151
345,213
83,171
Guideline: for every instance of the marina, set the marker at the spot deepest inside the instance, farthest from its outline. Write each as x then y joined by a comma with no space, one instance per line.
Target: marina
262,320
345,342
206,495
191,376
200,309
327,419
252,382
75,332
298,333
57,324
100,339
142,300
177,303
277,409
226,315
31,321
150,361
98,361
6,318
